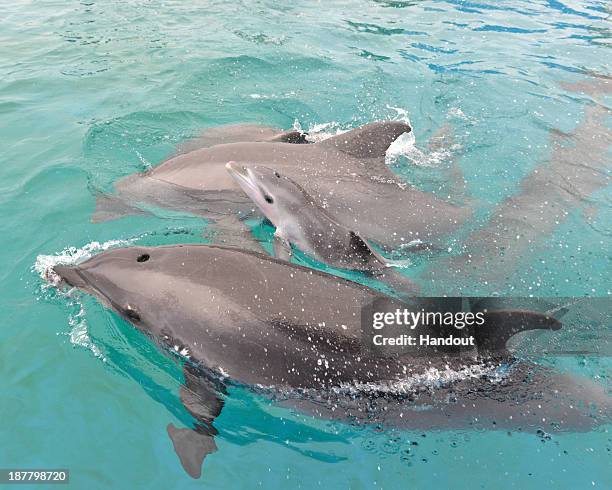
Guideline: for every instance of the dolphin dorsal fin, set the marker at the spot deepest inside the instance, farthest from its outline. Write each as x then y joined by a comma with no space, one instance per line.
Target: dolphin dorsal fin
500,325
369,141
291,136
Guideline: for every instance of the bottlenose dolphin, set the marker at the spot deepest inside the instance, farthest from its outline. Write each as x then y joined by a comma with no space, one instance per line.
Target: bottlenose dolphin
347,172
579,165
249,319
303,222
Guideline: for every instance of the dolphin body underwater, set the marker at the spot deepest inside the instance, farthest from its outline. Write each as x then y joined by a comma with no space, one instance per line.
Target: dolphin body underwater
301,221
567,182
246,319
347,172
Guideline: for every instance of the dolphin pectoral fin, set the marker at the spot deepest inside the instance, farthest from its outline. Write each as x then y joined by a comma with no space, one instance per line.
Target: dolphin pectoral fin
201,397
191,447
401,284
500,325
293,136
282,248
362,248
109,208
369,141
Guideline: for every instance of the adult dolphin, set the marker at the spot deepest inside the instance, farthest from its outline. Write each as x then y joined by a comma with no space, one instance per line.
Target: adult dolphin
262,322
578,167
347,172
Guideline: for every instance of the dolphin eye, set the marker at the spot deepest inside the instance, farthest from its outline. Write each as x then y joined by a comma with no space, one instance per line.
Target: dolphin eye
268,199
131,313
143,258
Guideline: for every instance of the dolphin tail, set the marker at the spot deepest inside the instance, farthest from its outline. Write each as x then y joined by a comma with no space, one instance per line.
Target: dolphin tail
109,208
369,141
191,447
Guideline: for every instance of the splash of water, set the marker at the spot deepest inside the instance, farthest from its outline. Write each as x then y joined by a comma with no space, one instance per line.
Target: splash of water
71,255
256,96
432,378
403,147
319,132
77,321
145,163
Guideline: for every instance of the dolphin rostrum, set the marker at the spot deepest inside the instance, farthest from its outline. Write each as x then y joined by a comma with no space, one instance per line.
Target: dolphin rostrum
243,318
347,172
303,222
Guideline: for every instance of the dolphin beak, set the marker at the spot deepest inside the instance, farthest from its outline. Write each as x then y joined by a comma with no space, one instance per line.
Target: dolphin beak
236,170
71,276
241,175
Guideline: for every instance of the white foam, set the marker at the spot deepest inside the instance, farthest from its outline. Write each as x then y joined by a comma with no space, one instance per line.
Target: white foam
404,146
145,163
272,96
71,255
78,333
402,114
321,131
411,243
431,378
457,113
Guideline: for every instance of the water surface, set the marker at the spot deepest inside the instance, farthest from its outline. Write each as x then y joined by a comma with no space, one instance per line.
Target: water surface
93,91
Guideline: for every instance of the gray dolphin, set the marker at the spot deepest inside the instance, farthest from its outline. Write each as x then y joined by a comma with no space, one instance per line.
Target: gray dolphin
579,165
303,222
347,172
265,323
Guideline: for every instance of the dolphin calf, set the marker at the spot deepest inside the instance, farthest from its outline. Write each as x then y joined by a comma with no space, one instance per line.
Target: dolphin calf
243,318
301,221
346,172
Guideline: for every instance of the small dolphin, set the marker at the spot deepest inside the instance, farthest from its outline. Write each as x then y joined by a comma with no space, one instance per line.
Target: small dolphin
265,323
347,171
301,221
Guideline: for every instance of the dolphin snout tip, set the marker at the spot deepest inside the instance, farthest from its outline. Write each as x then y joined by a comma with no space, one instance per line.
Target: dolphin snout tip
236,169
70,275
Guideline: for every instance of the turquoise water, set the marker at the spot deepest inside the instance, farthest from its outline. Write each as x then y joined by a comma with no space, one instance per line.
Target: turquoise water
93,91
